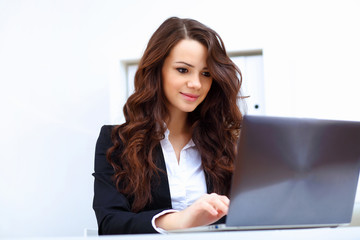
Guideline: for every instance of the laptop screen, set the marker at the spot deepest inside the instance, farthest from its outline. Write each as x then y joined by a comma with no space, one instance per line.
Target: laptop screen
295,171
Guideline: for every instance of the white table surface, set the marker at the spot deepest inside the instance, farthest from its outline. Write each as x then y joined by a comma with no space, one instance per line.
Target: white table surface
345,233
341,233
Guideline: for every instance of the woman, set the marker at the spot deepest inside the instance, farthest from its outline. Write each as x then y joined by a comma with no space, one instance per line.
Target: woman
169,165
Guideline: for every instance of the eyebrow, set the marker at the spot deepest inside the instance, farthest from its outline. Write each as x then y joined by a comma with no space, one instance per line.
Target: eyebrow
188,64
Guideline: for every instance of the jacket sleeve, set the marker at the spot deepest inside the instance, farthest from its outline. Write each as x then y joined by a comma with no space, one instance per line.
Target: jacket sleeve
113,209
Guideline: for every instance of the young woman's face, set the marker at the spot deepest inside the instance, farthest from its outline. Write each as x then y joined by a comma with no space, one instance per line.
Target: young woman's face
186,80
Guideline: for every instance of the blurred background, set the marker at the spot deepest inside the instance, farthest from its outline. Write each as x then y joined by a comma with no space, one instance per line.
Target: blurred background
65,67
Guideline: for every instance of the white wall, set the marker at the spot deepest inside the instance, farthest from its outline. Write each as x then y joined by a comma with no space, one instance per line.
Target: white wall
61,80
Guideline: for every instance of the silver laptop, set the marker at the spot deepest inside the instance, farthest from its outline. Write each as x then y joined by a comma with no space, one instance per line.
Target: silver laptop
293,173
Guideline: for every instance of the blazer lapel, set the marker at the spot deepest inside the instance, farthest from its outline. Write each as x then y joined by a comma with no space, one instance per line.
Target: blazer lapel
160,187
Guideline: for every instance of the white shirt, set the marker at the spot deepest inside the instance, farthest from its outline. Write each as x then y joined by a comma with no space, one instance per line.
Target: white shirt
186,177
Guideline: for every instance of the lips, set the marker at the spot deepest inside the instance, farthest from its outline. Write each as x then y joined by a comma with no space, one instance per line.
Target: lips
190,97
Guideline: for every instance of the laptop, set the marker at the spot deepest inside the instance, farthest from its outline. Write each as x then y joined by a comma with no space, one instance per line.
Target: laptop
293,173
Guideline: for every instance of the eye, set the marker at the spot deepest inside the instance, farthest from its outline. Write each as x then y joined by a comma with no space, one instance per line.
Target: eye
206,74
182,70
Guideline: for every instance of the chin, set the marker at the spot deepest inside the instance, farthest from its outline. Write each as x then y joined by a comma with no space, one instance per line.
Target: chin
188,109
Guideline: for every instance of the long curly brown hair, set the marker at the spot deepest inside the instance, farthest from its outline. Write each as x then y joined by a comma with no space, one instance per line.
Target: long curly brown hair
215,123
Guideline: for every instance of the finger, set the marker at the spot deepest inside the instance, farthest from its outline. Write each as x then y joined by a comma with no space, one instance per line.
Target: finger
220,206
211,208
219,202
224,199
214,204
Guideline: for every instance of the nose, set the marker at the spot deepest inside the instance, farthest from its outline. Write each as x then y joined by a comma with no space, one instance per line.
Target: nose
194,82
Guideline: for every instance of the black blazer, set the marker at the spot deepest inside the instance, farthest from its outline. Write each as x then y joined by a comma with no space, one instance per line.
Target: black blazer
113,209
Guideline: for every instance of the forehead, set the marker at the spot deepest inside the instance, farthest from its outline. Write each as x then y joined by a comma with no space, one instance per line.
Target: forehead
189,50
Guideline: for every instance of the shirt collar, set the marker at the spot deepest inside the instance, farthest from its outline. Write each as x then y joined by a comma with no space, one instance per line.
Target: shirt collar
188,145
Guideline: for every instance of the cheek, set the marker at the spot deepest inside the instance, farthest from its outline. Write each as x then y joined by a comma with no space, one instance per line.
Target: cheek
172,82
166,81
207,86
169,85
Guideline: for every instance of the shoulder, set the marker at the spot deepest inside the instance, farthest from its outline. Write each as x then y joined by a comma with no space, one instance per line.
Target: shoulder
103,143
104,138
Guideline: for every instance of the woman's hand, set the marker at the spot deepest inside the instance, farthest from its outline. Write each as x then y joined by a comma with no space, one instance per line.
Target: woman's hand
206,210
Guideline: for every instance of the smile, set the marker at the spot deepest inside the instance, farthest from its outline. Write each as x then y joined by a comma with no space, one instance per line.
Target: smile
190,97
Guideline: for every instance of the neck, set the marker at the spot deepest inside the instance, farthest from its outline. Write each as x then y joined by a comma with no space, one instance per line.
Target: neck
177,123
